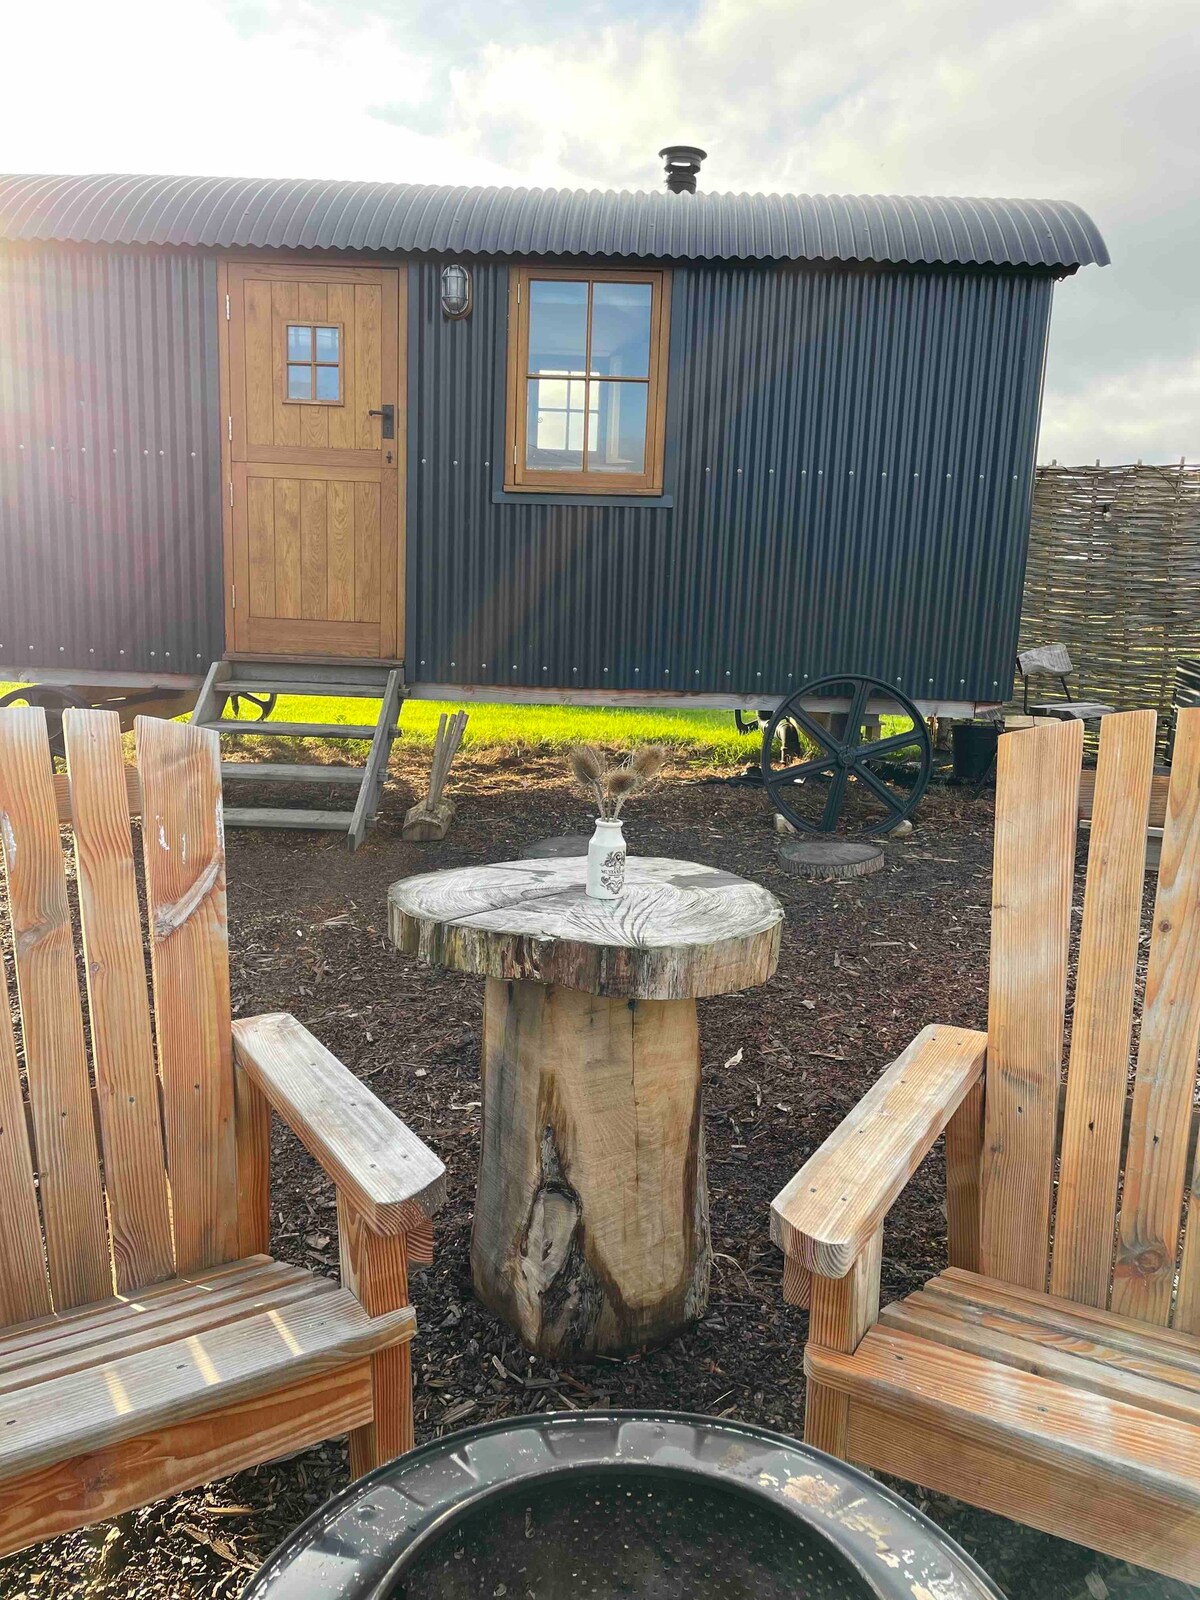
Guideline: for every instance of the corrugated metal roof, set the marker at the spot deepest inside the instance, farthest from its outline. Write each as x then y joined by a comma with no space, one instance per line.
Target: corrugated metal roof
281,213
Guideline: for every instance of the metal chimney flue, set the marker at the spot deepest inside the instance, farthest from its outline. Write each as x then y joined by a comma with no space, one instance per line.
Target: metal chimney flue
682,162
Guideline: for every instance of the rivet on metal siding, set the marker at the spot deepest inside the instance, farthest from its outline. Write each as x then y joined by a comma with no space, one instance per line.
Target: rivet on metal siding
708,469
454,463
770,471
83,449
422,460
52,447
851,472
739,472
487,463
454,663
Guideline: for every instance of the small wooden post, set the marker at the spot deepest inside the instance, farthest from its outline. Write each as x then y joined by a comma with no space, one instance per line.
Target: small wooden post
431,818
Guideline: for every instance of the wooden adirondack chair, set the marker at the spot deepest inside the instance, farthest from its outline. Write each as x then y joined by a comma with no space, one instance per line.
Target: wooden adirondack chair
148,1343
1053,1373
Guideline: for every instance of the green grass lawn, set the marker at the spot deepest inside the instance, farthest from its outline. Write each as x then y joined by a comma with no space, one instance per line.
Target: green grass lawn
708,736
702,735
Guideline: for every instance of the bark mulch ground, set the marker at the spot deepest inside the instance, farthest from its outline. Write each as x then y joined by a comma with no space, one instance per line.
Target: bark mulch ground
864,965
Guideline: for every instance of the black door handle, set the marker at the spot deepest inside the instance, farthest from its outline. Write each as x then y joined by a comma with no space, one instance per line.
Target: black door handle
388,413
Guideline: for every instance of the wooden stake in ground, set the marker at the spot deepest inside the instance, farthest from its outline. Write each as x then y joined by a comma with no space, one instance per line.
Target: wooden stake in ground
431,818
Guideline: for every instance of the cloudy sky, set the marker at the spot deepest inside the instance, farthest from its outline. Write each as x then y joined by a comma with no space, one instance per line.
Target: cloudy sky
1096,101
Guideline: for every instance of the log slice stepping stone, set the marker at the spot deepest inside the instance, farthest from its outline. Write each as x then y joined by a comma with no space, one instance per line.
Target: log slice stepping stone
829,858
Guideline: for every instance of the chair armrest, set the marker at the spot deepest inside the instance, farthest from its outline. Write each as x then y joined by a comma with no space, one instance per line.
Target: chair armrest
825,1216
393,1180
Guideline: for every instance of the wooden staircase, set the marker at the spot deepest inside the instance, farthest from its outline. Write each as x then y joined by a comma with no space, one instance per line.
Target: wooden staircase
260,682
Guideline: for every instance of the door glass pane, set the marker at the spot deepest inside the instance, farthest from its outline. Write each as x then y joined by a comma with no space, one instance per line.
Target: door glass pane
328,387
299,344
327,344
554,425
621,330
299,383
617,428
557,326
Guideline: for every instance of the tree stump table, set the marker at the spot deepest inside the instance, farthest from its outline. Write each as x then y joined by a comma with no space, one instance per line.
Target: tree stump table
591,1219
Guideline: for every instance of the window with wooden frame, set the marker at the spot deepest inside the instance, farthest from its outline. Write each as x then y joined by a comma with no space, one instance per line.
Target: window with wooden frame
587,380
314,364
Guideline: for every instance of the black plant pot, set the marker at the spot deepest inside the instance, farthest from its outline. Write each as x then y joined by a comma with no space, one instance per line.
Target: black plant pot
607,1504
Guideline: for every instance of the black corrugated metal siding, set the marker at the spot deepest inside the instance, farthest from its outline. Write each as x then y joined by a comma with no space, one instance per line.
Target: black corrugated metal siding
851,459
110,496
315,214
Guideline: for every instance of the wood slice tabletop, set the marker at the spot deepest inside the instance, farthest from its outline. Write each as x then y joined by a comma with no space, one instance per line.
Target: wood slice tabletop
678,930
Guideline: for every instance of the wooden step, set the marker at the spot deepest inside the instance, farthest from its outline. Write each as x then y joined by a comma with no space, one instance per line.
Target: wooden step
287,817
309,690
294,730
291,772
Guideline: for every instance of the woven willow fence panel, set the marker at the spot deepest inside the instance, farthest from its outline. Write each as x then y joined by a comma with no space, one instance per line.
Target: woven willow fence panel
1114,574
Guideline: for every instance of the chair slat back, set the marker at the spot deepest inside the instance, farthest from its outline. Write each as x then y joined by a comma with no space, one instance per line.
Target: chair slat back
1037,796
1125,1167
1165,1084
1098,1075
163,1199
24,1286
183,843
72,1200
135,1177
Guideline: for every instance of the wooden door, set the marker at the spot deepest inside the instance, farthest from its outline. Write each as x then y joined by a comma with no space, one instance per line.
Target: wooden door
316,531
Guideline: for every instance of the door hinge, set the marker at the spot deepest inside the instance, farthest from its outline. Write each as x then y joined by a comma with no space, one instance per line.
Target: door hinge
514,455
233,597
230,420
226,308
518,294
231,491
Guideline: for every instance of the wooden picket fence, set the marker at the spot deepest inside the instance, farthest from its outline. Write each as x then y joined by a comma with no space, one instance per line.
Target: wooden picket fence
1114,574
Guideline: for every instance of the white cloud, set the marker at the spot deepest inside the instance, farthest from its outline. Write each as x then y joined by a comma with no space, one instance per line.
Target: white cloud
1090,100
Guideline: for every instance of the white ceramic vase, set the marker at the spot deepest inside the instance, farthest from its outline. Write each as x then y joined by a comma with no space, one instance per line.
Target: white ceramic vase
606,860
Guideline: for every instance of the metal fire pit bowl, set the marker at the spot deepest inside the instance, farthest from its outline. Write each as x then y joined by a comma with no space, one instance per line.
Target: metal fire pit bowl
596,1505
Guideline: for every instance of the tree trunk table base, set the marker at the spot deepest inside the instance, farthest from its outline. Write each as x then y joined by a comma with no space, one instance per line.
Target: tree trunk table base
591,1223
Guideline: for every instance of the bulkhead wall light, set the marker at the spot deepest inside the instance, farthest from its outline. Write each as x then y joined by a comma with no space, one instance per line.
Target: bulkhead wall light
456,291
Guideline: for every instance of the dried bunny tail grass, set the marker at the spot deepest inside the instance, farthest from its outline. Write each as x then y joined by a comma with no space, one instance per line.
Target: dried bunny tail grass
587,764
649,761
623,782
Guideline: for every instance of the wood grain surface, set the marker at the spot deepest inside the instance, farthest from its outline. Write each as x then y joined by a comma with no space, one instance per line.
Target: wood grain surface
678,930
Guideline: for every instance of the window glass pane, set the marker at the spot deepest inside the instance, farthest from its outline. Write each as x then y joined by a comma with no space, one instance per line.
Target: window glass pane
557,326
621,330
554,426
328,384
299,383
327,344
300,344
617,428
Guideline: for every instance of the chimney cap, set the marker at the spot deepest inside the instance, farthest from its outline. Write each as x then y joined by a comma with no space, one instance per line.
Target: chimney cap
682,163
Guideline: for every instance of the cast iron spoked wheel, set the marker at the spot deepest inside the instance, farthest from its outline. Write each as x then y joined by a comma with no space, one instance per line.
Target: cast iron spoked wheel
264,702
54,702
852,770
